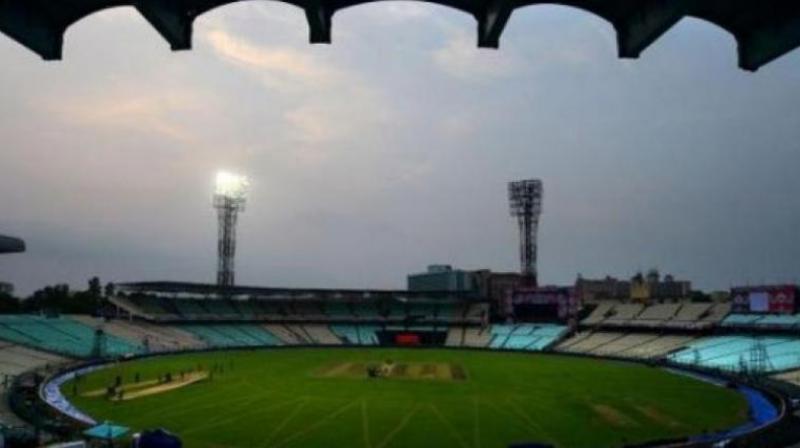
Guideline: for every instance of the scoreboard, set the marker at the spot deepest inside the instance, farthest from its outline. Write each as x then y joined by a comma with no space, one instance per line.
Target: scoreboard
544,302
776,299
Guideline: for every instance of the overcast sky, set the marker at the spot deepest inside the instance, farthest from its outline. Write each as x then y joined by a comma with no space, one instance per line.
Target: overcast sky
390,150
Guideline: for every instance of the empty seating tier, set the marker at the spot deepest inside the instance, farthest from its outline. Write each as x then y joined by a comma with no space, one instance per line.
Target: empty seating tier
154,338
742,353
599,314
768,321
61,335
531,337
223,335
321,334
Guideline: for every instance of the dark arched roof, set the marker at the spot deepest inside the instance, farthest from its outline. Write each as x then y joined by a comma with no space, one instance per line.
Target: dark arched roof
11,245
764,29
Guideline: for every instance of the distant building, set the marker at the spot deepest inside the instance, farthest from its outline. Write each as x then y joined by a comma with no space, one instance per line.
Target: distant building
609,288
651,288
441,277
496,286
482,284
641,288
6,288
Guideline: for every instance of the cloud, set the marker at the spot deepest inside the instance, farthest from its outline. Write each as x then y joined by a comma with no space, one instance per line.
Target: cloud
276,66
130,110
459,57
324,103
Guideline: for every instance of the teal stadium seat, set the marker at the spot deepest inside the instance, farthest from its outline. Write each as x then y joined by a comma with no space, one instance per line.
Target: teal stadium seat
368,334
785,321
348,333
533,337
740,320
233,335
737,352
189,308
60,335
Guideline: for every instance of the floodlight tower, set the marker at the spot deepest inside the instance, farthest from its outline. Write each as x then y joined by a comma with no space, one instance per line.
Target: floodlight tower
229,200
525,197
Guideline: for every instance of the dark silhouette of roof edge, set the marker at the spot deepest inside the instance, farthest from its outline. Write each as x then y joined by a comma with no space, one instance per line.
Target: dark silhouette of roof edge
764,29
11,245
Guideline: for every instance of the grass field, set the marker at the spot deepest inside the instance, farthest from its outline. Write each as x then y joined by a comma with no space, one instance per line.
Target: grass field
324,398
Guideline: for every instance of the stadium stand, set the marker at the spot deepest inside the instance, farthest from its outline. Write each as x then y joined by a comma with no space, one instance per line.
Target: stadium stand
476,312
742,353
339,311
656,348
367,312
477,337
577,337
269,310
623,343
15,360
716,313
591,342
623,314
792,376
778,321
348,334
245,309
144,306
599,314
302,311
156,338
679,316
286,335
321,334
656,315
421,312
426,311
357,334
455,337
191,309
525,336
59,335
766,321
450,312
225,335
626,345
367,334
689,316
221,309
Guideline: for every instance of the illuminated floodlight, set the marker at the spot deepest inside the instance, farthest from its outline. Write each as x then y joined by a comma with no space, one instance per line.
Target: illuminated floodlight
231,186
229,199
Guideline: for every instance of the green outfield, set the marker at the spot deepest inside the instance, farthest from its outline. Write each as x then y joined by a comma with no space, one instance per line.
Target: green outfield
381,398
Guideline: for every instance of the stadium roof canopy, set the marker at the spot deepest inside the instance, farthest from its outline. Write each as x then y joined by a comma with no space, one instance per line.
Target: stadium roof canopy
764,29
11,245
203,289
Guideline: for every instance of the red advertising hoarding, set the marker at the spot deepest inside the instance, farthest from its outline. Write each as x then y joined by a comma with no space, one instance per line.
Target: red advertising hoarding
407,339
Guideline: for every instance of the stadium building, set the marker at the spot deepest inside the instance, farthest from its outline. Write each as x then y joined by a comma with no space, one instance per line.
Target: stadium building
442,277
755,345
460,359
